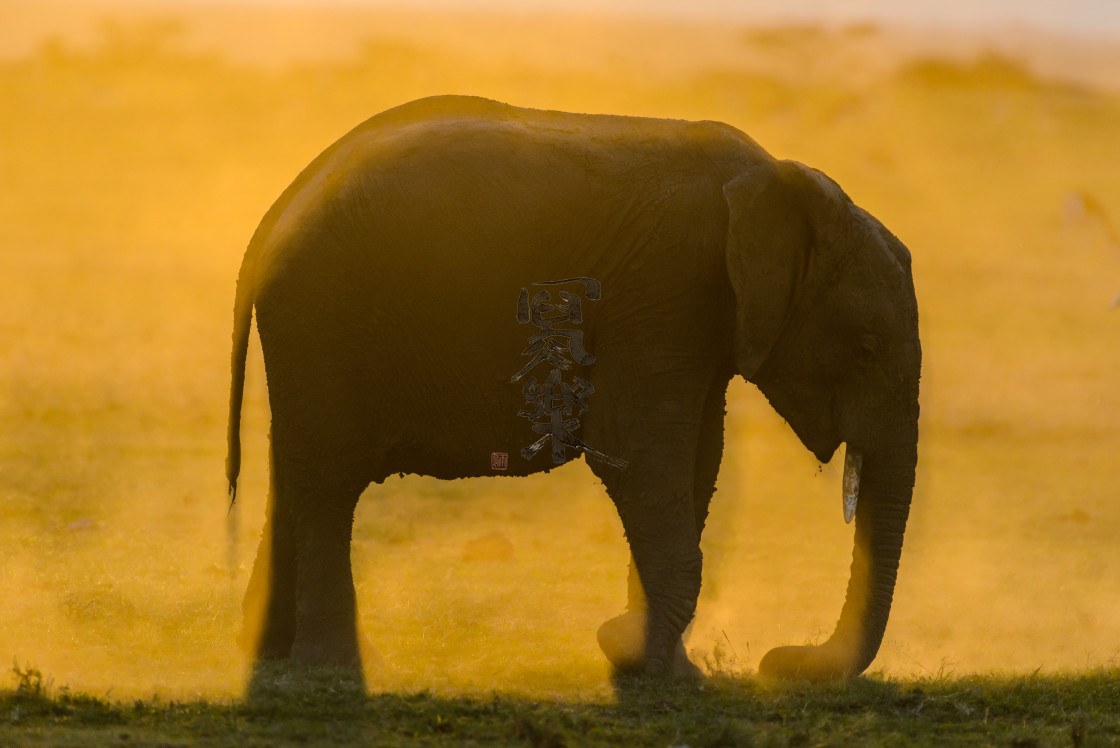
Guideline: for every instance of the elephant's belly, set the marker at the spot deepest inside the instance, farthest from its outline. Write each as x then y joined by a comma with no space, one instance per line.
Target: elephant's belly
468,432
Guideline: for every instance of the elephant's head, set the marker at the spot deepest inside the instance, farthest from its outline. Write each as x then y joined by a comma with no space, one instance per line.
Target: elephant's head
827,328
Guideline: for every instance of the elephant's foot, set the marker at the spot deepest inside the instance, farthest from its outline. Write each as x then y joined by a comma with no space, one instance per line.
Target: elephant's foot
340,650
346,651
265,645
623,641
823,662
265,642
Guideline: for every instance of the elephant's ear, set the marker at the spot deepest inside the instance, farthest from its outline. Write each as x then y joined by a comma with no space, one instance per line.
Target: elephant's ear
769,234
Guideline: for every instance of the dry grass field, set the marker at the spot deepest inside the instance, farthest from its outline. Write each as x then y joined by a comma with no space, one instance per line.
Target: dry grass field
138,152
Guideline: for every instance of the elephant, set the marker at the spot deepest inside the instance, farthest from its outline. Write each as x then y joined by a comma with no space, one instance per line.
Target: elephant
394,283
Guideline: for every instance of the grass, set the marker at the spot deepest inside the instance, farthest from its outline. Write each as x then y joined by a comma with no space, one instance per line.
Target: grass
135,167
727,710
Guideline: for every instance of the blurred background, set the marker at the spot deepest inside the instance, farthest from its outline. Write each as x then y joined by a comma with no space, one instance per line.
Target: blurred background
141,143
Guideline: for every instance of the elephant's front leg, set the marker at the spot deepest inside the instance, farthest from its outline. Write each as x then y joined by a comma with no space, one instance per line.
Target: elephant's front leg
655,504
622,638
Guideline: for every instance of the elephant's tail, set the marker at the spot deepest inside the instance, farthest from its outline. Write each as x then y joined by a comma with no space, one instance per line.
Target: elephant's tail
242,323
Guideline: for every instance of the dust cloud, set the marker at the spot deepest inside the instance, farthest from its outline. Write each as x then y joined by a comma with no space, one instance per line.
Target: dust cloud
138,150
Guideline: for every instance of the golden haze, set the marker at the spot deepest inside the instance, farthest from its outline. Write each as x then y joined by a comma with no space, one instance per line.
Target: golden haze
138,150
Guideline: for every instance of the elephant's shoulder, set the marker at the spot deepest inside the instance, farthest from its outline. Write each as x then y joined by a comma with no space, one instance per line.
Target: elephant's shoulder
438,111
724,136
728,147
436,107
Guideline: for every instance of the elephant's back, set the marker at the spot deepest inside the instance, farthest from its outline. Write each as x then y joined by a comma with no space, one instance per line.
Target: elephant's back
465,136
434,178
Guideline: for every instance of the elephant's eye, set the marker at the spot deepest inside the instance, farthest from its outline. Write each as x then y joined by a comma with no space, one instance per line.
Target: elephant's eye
867,349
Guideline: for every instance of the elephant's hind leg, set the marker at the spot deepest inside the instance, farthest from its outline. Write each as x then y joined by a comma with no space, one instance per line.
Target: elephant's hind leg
326,631
269,607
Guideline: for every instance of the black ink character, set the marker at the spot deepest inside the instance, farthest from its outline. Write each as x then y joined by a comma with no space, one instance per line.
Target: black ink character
555,405
558,346
555,400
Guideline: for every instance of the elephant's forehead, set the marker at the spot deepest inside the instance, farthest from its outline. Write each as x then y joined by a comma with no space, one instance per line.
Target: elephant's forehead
868,285
827,185
878,252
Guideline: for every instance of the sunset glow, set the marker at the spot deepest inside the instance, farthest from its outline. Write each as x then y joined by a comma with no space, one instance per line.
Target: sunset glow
140,145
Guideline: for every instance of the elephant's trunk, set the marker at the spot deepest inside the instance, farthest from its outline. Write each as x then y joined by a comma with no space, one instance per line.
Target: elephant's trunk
887,486
885,490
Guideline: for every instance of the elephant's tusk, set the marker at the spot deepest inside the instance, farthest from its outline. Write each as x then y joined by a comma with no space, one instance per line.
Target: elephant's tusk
853,463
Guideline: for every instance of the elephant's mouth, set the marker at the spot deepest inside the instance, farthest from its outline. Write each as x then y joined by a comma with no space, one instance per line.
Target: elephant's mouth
824,452
853,468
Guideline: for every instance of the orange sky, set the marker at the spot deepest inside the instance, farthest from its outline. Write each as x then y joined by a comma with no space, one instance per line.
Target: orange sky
1092,18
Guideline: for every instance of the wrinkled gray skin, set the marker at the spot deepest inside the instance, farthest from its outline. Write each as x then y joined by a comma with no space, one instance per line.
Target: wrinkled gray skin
385,281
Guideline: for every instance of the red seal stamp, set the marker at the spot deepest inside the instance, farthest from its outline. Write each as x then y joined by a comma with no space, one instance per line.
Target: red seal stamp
499,460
